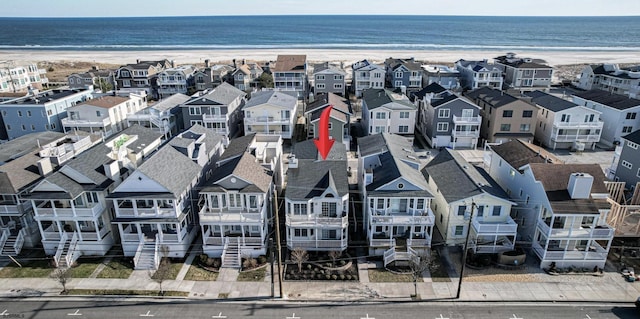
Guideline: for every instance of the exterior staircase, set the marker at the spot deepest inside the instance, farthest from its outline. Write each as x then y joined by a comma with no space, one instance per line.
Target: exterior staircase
403,254
231,253
12,246
68,251
146,256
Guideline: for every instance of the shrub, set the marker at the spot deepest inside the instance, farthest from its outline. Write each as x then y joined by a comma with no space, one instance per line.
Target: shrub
334,277
262,259
327,276
249,263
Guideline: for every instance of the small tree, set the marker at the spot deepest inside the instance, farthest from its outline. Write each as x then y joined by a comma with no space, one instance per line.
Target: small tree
334,254
103,85
265,80
164,269
299,256
62,276
418,265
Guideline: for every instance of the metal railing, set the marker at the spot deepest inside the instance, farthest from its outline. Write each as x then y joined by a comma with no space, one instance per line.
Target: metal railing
467,119
318,243
317,221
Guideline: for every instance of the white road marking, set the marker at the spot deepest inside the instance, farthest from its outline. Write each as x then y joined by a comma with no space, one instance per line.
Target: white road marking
148,314
77,313
219,316
367,317
293,316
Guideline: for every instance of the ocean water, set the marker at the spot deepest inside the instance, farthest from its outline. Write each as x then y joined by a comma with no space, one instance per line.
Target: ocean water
323,32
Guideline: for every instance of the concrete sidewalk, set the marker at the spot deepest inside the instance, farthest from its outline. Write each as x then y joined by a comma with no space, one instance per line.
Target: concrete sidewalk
610,288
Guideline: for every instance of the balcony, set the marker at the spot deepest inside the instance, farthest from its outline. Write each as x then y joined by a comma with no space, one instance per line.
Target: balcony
576,138
498,244
51,234
466,133
599,232
248,241
579,125
267,120
69,122
468,120
11,208
318,244
45,209
230,216
423,218
213,118
415,78
594,252
318,222
92,235
506,227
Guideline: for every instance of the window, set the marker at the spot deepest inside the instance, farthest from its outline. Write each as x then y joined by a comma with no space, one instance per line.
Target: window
565,118
632,145
401,186
403,129
299,209
195,111
320,86
627,164
194,122
507,113
443,113
126,83
49,112
443,127
338,77
420,203
461,210
627,129
19,113
528,113
98,114
33,127
525,127
497,210
631,116
381,115
319,77
377,75
638,173
301,232
404,115
329,209
380,203
380,129
235,200
253,201
399,75
398,84
8,127
459,230
481,211
505,127
28,113
337,86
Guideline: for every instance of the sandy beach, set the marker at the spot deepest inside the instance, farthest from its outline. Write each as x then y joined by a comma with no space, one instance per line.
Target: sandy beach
314,55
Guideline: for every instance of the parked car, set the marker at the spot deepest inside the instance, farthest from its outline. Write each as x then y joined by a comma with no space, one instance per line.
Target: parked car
638,303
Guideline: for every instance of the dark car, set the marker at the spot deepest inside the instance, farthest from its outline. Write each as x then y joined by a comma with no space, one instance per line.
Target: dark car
638,303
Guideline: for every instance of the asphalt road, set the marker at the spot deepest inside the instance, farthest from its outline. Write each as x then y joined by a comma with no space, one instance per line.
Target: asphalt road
18,308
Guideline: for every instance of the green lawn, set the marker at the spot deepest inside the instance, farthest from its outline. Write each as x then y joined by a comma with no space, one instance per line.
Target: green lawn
101,292
116,268
85,267
199,274
38,267
253,275
382,275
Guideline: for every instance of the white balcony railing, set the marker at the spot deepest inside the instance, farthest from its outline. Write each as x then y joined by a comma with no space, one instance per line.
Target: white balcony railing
506,227
92,211
68,122
213,117
427,220
595,252
467,120
318,244
466,133
267,120
301,220
579,125
602,232
575,137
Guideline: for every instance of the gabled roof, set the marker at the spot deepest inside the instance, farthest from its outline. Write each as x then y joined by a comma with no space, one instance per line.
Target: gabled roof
616,101
494,97
237,146
170,102
171,169
223,94
290,62
518,153
479,66
326,66
247,68
340,106
434,88
446,99
244,167
633,137
307,150
376,98
410,64
107,101
521,63
456,179
550,102
312,178
281,99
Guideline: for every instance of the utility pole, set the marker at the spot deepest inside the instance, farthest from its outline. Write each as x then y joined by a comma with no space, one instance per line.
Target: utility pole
278,246
273,293
464,251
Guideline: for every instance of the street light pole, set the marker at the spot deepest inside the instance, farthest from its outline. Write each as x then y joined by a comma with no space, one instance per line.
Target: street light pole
464,251
278,246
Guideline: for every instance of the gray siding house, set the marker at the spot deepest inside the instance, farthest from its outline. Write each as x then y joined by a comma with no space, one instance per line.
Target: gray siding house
41,112
525,74
211,76
628,169
218,110
339,119
387,111
403,73
290,74
91,77
328,78
476,74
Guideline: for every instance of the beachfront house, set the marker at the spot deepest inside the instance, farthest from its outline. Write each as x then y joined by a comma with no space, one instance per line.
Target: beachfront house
467,199
476,74
405,74
104,116
339,118
236,205
447,77
154,206
328,78
564,124
70,205
218,110
21,78
626,165
317,199
611,78
446,119
140,76
271,113
525,74
211,75
387,111
562,208
290,74
366,75
398,220
175,80
24,162
619,113
98,78
245,77
164,116
504,117
39,112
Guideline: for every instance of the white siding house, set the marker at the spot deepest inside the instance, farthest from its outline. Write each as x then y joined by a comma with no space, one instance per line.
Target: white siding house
271,113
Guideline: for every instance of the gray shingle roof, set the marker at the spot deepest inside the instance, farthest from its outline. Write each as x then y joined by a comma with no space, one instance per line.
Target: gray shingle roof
550,102
615,101
244,167
237,146
494,97
281,99
222,94
171,169
434,88
410,64
170,102
308,150
376,98
633,137
312,178
319,67
456,179
518,154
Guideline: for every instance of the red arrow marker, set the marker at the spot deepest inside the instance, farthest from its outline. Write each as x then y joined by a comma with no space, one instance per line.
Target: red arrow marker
323,142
